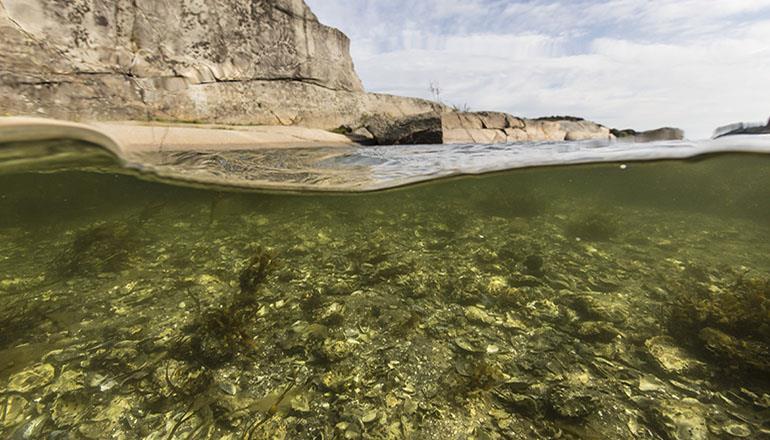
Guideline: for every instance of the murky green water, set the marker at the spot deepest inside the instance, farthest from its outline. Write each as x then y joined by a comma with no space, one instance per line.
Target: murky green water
582,302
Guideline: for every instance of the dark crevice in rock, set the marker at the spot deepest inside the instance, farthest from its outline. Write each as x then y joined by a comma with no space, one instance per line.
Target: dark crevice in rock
312,81
291,14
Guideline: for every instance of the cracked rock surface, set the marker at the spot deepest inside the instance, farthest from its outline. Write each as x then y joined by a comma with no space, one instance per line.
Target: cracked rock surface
267,62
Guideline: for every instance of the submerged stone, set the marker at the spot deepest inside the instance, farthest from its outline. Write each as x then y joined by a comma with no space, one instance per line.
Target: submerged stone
34,428
300,403
70,408
572,403
738,430
599,331
670,357
32,378
739,353
534,265
15,407
682,419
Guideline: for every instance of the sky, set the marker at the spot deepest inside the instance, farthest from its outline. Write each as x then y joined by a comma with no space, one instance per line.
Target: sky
642,64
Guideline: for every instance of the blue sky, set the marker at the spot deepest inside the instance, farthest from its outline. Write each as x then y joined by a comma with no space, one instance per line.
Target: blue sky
695,64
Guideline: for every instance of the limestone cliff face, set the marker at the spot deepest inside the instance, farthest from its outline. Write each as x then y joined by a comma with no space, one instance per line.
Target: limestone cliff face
198,41
224,61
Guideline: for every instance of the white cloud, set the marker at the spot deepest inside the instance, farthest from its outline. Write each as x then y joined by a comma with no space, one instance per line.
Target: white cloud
696,64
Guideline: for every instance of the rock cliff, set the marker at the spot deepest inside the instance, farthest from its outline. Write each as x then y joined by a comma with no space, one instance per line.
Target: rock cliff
224,61
238,62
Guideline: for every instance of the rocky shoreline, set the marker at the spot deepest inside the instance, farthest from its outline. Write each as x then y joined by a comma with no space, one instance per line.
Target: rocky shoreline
742,129
231,63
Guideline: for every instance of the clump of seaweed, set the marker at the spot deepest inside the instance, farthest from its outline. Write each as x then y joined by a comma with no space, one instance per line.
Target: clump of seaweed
185,374
593,227
476,375
742,309
105,247
533,265
218,335
731,324
255,272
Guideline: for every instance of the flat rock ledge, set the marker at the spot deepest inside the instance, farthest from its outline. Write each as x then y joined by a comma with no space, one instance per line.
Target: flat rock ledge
480,128
125,138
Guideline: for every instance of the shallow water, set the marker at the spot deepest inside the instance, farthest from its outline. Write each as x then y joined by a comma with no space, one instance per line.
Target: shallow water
591,301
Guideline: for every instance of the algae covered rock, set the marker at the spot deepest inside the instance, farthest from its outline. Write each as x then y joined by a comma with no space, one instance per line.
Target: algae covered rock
670,357
730,324
32,378
681,419
737,353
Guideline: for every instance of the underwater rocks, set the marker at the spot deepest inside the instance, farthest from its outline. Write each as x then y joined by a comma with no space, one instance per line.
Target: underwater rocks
728,322
736,353
682,419
671,358
391,319
31,379
102,248
593,227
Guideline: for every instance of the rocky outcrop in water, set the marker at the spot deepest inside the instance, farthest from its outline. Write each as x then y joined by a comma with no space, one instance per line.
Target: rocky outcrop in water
266,62
742,128
481,128
494,127
660,134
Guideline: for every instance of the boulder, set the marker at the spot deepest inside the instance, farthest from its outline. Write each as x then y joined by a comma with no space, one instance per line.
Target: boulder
479,120
659,134
474,136
739,353
681,419
515,135
461,121
420,129
494,120
670,357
